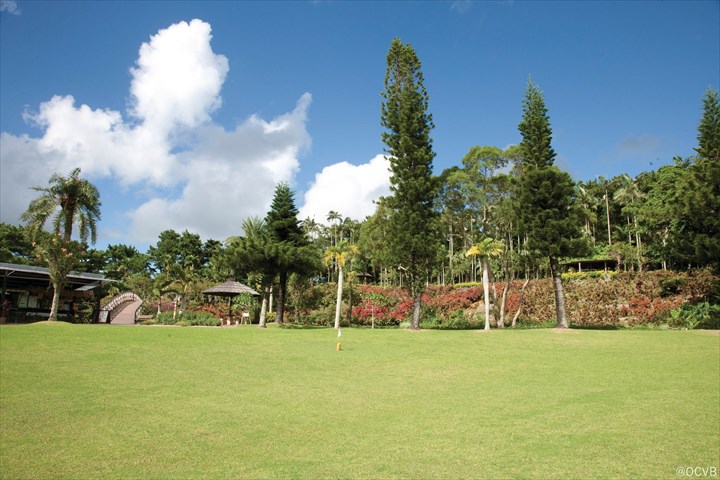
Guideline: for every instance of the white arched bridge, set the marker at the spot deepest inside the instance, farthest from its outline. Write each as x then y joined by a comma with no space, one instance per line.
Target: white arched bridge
122,309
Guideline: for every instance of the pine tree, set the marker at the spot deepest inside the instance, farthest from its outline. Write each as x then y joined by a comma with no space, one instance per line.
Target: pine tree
288,246
413,239
535,129
709,128
701,213
547,210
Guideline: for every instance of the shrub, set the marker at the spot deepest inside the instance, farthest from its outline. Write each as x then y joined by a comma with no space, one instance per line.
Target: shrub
166,318
570,276
188,318
698,315
539,302
322,317
593,303
387,306
671,286
446,300
456,321
199,318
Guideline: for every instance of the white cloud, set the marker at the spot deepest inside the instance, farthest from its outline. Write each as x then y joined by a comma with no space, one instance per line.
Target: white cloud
347,189
9,6
21,164
230,176
222,176
178,78
101,143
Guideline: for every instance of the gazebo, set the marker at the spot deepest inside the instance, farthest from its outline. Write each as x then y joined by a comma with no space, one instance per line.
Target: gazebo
230,289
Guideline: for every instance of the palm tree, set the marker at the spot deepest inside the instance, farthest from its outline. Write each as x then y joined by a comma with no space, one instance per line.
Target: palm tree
78,201
255,252
605,184
487,248
588,204
311,227
340,254
162,286
334,216
626,195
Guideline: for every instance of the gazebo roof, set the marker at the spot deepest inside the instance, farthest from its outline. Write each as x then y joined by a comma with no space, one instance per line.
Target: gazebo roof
230,288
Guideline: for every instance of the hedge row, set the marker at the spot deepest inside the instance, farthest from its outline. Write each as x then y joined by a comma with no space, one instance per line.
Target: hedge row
592,301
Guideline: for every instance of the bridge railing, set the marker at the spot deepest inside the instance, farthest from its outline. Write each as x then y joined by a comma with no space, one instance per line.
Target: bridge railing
107,312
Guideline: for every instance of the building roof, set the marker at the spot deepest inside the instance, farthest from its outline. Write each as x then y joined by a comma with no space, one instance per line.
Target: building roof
12,272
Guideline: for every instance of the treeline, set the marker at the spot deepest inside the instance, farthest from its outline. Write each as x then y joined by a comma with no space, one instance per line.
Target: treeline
499,215
663,219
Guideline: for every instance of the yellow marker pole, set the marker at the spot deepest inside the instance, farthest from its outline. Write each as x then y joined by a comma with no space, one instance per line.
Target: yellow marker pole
339,343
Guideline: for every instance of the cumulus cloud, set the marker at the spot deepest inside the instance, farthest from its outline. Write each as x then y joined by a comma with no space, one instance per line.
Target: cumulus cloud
166,143
231,175
100,143
178,78
347,189
9,6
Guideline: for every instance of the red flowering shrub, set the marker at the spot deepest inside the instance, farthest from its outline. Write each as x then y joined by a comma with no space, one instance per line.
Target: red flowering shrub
383,306
597,302
445,300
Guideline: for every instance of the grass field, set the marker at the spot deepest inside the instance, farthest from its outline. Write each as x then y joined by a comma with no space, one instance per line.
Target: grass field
81,401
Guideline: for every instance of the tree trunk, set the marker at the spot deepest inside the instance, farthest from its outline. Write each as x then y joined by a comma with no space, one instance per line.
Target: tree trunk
486,292
638,244
416,309
522,296
281,297
559,296
69,216
264,306
451,252
607,210
501,320
338,303
55,302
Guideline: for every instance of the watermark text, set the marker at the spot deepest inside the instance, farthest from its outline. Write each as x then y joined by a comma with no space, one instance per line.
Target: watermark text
697,472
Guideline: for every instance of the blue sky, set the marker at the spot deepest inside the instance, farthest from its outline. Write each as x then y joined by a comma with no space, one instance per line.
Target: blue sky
290,91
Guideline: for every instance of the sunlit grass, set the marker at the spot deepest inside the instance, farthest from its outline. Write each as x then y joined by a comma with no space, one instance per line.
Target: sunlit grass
162,402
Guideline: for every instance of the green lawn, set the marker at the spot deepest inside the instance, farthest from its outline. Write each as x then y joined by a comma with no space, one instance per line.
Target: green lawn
82,401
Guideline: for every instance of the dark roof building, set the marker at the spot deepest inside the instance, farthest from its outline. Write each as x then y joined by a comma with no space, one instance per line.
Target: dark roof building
26,291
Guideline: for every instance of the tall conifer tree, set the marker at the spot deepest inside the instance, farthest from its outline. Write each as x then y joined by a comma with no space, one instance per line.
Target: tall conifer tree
289,246
709,128
700,217
413,239
547,210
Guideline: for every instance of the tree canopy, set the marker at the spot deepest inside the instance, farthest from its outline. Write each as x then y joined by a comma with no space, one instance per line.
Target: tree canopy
67,200
413,235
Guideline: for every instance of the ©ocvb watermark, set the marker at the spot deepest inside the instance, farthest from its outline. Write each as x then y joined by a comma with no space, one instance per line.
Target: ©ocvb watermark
697,472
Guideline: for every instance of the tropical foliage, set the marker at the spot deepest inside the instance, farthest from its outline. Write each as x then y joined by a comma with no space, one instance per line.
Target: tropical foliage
544,248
